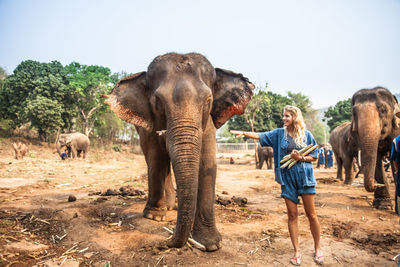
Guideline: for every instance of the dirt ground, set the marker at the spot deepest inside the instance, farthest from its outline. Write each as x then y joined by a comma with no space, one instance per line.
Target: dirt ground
40,227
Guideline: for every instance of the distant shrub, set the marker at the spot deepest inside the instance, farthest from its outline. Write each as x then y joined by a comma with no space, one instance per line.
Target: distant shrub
117,148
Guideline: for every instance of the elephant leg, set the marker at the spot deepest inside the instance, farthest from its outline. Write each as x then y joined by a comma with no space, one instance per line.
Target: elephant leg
260,161
348,170
269,163
158,166
204,228
74,152
170,193
84,154
381,194
339,172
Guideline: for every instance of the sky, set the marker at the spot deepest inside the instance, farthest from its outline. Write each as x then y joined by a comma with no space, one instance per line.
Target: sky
326,50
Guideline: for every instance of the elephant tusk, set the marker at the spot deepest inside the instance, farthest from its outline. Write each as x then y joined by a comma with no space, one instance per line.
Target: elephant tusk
162,132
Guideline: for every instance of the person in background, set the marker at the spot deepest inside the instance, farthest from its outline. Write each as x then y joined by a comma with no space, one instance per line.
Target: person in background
321,157
329,157
395,158
64,155
296,181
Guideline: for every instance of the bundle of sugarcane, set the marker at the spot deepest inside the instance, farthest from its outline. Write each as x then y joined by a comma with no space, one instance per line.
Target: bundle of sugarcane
304,152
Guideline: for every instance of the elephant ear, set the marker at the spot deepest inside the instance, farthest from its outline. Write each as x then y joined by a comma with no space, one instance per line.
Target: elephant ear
232,93
129,100
396,116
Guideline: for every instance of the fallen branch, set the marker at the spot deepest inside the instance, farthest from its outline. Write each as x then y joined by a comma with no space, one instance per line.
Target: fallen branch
191,240
241,263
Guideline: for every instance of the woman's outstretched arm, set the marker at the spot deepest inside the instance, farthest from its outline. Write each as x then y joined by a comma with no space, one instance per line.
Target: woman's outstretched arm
251,135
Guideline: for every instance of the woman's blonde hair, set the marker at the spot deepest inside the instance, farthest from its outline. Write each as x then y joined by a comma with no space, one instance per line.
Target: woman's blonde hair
299,126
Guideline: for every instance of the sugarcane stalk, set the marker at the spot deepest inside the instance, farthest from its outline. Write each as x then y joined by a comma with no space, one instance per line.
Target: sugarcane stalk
304,152
287,157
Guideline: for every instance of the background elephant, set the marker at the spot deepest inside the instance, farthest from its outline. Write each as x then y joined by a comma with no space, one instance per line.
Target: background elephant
374,125
266,154
74,143
176,107
345,151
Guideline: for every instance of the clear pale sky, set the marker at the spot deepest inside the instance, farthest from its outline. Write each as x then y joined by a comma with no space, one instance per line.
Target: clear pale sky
326,50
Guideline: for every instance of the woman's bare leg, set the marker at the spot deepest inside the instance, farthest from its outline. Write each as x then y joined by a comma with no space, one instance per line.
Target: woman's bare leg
309,207
293,214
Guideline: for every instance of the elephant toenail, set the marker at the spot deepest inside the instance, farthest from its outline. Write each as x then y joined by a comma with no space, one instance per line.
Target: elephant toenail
212,248
163,218
157,218
149,216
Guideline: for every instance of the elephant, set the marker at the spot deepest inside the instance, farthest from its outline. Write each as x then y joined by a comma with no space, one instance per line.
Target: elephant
264,154
345,151
176,107
20,150
74,143
375,123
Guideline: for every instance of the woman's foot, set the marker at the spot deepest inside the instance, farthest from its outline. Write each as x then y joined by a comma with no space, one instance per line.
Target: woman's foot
296,260
319,258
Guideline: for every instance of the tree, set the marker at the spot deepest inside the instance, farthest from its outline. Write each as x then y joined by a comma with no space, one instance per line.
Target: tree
268,115
87,84
3,74
338,114
44,114
301,101
30,80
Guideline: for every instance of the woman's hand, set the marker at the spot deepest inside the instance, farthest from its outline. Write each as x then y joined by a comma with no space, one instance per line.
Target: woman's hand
296,155
238,133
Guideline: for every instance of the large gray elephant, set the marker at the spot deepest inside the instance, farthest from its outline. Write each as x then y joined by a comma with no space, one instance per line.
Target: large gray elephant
374,125
74,143
345,150
176,107
266,154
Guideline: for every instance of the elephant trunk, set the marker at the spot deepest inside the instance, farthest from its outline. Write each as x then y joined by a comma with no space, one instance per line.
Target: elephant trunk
369,135
184,146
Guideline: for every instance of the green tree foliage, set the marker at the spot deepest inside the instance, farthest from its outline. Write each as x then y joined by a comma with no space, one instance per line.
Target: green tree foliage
338,114
264,113
30,80
87,84
3,74
44,115
268,114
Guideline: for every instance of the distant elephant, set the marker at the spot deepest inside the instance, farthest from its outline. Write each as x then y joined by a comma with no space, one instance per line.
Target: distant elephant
176,107
20,150
374,125
74,143
345,150
266,154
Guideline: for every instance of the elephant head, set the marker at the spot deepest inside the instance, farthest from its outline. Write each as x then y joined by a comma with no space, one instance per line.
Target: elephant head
185,98
375,121
64,140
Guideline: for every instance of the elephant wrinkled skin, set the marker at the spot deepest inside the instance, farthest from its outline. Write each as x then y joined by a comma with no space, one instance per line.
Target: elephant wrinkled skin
74,143
374,125
176,107
345,151
265,154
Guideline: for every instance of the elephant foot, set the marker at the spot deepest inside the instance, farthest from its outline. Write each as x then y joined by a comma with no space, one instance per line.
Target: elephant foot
382,204
348,181
211,239
157,214
381,200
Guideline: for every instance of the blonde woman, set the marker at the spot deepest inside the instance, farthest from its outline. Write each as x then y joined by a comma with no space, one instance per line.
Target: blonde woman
296,181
